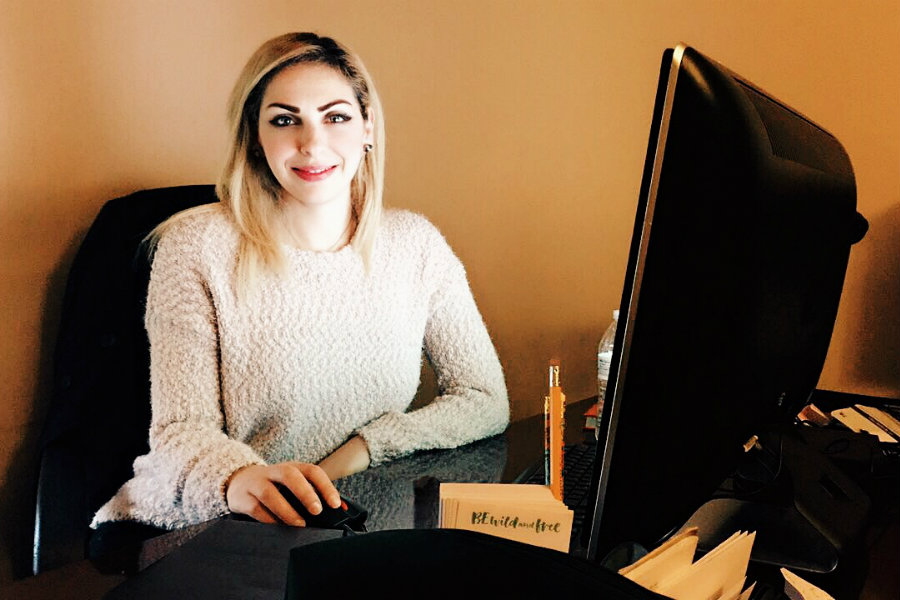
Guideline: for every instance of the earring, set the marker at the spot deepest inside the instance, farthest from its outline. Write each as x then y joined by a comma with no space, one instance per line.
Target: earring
368,148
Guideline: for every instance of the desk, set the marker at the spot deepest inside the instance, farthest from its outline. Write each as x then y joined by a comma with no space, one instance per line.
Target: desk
390,492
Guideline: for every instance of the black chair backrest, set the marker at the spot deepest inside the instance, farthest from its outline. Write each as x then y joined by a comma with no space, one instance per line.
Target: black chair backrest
99,414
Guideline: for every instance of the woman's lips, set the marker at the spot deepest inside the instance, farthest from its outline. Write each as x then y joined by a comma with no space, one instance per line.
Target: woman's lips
313,173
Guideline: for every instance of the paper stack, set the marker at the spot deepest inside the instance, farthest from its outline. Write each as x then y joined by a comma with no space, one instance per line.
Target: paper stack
720,574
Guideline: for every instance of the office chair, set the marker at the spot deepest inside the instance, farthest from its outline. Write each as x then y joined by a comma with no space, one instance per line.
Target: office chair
99,414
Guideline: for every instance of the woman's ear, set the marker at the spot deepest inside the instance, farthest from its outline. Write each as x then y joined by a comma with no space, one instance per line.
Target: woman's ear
369,130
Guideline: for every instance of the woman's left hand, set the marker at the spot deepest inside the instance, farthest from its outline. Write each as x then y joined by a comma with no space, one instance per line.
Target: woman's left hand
352,457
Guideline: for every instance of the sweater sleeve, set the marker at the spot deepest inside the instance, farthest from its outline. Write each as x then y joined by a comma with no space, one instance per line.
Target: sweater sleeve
182,479
472,402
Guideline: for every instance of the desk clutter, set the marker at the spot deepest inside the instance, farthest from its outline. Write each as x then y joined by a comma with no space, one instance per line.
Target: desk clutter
874,451
532,514
720,574
868,419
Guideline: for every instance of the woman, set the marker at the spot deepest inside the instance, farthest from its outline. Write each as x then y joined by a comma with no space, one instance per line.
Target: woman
287,321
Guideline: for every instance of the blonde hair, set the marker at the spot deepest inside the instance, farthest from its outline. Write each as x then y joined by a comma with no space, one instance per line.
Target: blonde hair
247,187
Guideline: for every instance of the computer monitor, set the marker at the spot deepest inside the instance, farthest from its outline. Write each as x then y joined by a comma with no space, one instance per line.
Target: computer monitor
745,219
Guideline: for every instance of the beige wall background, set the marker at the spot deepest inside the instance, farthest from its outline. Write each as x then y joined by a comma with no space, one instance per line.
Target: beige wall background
518,127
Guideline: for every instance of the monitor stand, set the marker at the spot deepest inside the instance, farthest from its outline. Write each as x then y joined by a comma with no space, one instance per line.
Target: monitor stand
808,517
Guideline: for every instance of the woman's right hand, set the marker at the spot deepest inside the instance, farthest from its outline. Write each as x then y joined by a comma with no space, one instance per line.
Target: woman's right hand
251,491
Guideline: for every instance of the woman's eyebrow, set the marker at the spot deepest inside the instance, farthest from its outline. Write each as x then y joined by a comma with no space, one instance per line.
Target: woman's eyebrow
332,103
294,109
286,107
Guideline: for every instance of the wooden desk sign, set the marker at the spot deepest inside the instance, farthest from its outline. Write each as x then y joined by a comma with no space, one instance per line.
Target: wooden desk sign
519,512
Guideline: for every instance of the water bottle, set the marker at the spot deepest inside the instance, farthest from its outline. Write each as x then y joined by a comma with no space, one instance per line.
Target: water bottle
604,358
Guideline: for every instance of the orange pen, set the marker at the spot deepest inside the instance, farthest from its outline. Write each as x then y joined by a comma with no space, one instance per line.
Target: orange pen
557,431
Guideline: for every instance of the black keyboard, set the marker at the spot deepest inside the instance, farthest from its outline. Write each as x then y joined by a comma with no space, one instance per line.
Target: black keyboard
578,466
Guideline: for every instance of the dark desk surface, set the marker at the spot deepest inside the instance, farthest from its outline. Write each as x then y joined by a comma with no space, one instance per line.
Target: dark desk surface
390,492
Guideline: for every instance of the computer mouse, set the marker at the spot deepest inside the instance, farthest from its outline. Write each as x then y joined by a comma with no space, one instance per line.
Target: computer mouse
350,515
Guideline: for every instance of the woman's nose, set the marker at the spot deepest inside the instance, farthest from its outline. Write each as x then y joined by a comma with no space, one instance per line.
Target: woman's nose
309,138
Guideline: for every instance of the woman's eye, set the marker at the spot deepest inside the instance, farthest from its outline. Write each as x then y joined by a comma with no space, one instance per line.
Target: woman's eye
338,118
282,121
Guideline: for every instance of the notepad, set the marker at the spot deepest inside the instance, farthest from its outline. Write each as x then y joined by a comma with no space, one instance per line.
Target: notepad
519,512
720,574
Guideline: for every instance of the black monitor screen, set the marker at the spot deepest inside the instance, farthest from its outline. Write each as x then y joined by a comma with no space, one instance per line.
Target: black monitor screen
746,214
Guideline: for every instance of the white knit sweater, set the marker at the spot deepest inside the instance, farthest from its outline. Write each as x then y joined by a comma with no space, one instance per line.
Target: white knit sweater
325,351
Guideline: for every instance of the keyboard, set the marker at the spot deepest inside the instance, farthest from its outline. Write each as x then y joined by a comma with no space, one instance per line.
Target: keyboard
578,466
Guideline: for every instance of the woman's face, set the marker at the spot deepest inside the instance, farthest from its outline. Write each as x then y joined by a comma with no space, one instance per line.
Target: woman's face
312,133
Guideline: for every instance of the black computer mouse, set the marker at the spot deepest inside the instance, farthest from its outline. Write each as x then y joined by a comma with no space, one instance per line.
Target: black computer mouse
350,515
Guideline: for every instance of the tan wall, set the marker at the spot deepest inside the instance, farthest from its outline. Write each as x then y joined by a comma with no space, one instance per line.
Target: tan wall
519,127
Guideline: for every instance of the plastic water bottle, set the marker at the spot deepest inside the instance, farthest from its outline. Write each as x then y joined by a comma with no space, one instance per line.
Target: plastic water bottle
604,358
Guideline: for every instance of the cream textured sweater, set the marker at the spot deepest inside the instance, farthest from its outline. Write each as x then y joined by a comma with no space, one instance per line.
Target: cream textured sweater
324,352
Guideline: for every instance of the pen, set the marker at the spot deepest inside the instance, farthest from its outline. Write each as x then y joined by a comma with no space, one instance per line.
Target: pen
557,430
546,440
